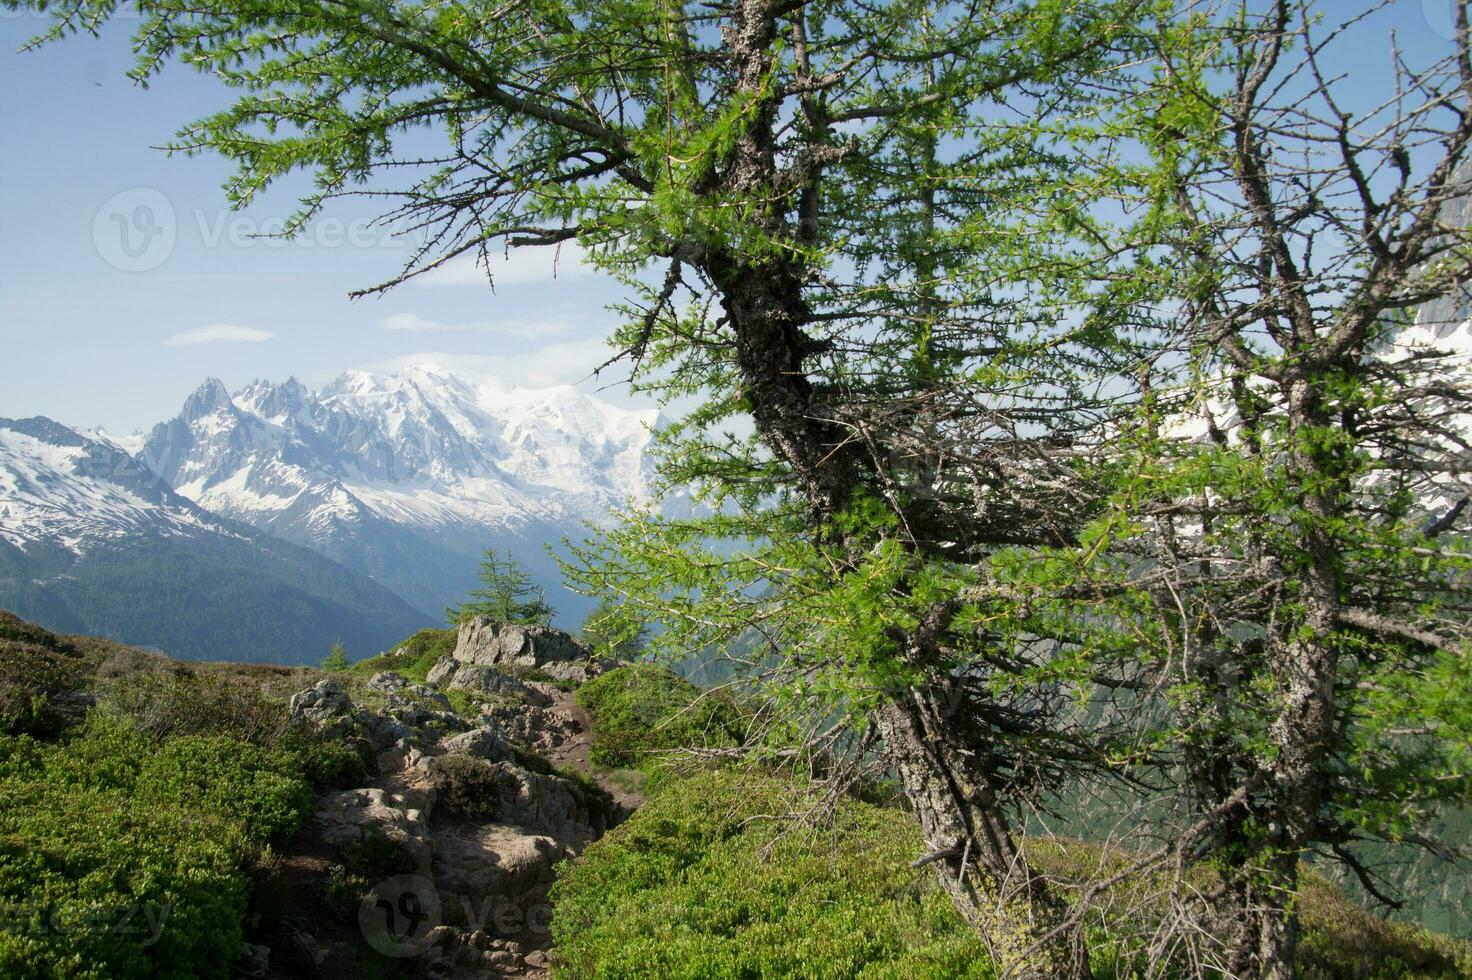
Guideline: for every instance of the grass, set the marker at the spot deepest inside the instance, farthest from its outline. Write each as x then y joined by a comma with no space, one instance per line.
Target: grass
714,878
413,658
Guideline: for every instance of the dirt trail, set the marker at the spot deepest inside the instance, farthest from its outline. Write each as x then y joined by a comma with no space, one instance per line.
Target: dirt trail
576,752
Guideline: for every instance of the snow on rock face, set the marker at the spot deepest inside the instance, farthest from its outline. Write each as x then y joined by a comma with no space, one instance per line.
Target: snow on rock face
422,447
60,486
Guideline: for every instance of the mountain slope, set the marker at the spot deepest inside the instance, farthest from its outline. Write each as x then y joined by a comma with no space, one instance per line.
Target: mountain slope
92,541
409,477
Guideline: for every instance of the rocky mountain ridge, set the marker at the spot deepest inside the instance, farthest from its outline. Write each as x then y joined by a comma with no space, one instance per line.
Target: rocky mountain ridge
467,800
409,476
92,540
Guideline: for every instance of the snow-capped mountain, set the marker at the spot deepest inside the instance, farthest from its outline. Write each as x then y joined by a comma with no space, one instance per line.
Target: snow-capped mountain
63,489
92,540
408,476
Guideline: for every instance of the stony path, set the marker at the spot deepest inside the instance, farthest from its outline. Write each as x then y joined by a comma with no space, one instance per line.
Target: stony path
311,942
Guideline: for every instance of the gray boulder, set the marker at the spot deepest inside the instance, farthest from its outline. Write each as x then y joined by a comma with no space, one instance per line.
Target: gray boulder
388,681
486,642
530,726
358,815
324,705
488,742
441,673
496,683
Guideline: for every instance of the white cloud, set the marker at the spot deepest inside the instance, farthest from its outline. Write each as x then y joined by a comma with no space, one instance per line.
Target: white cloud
531,329
218,333
415,323
563,363
523,265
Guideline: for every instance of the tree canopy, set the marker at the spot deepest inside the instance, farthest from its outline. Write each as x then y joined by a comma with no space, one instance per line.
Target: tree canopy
506,594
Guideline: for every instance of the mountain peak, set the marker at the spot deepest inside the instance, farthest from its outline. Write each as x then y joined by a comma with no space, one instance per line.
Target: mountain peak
206,399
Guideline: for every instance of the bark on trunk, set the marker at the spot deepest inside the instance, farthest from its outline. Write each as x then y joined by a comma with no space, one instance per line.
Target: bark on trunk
976,858
766,307
1302,735
987,879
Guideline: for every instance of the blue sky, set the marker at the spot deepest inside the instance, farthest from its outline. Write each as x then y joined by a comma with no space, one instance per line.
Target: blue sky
108,318
124,281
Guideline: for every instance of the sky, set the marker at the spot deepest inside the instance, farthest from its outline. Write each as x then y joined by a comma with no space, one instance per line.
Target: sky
125,281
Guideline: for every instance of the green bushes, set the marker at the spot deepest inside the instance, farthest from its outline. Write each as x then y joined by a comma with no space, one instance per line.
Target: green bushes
707,881
32,680
413,657
39,675
169,698
642,709
712,878
468,787
98,883
131,845
104,874
262,789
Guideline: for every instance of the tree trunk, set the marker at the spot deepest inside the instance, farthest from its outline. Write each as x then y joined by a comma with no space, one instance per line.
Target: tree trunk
957,807
970,843
1305,657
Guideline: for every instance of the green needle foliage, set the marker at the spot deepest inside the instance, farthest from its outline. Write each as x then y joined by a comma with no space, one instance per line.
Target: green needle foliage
506,594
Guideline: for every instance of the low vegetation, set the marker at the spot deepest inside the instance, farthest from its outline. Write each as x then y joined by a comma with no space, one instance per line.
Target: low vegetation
413,658
143,801
721,874
709,879
134,836
641,710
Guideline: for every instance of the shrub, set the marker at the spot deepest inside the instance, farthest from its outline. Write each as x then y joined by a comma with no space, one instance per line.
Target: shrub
697,885
413,658
103,753
261,788
710,878
35,683
98,883
327,762
641,709
174,699
468,787
1341,939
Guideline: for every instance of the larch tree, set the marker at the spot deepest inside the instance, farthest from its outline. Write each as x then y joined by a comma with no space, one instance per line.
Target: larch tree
882,204
506,593
1301,468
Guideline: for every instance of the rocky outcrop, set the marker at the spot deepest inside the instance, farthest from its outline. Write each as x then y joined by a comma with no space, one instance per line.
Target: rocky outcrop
489,743
411,719
324,706
530,726
499,685
487,642
358,817
470,811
